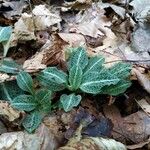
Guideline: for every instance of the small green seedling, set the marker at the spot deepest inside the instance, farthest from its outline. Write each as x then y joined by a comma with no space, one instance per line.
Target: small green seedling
37,103
87,75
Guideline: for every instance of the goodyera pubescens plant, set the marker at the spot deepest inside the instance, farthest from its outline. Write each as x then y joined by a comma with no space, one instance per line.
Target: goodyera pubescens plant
85,74
36,103
88,75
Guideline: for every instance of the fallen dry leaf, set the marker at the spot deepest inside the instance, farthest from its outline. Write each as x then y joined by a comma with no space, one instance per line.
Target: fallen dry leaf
40,19
76,4
54,126
94,143
73,39
143,79
7,111
43,139
134,127
145,106
43,18
13,9
51,53
139,145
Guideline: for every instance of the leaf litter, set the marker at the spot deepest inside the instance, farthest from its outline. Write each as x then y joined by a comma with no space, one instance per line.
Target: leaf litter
118,30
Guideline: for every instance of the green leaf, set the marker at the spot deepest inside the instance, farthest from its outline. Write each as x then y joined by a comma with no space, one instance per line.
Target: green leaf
44,97
53,78
121,70
75,77
24,102
25,82
95,64
69,101
95,81
9,66
117,89
5,33
9,90
79,57
32,121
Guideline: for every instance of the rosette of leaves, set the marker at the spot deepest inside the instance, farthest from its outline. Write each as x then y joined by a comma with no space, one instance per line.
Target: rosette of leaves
87,75
35,103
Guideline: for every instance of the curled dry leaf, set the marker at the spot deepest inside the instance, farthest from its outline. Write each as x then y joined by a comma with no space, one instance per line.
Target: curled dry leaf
51,53
144,79
77,4
145,106
77,142
54,126
5,77
73,39
134,128
24,28
15,8
139,145
42,139
8,111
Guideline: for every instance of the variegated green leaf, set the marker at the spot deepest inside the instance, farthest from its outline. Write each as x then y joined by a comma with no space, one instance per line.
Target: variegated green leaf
24,102
117,89
93,83
75,77
32,121
95,64
25,82
79,57
9,90
5,33
69,101
121,70
53,78
9,66
44,97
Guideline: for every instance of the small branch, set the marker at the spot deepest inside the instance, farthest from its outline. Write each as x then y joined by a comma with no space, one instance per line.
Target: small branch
127,61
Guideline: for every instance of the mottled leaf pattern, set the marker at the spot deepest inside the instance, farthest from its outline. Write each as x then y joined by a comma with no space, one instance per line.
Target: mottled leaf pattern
5,33
24,102
9,90
121,70
53,78
43,97
75,77
9,66
69,101
117,89
25,82
93,83
79,57
95,64
32,121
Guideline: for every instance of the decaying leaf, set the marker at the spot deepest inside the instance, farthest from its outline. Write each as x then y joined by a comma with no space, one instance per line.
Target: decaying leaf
145,106
143,79
134,127
139,145
40,19
13,8
76,142
141,9
8,111
73,39
42,139
51,53
77,4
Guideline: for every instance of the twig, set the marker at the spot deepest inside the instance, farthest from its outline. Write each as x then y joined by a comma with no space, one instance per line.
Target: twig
127,61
